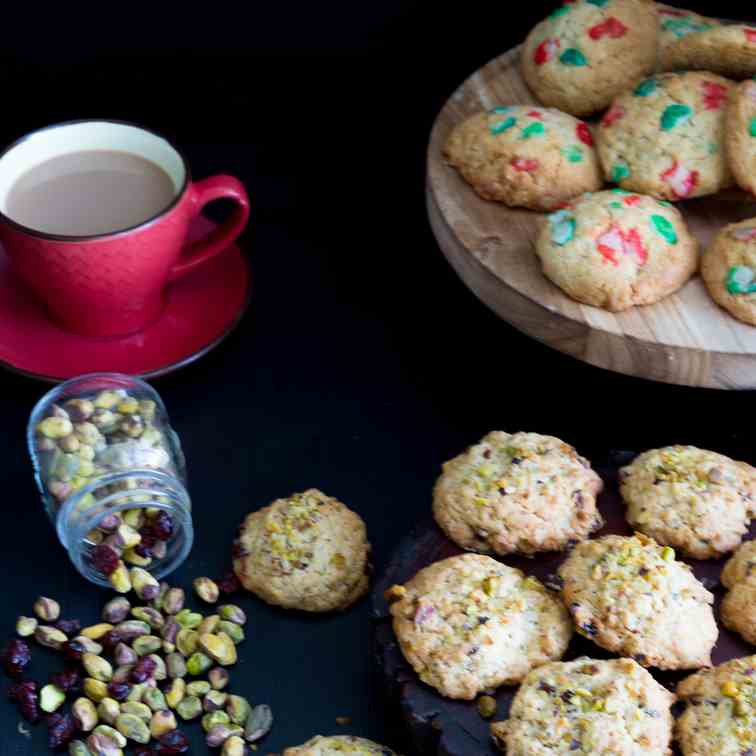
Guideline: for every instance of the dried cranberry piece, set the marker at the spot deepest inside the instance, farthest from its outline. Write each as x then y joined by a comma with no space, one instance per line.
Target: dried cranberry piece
105,559
25,694
172,742
143,751
143,550
61,729
73,650
119,690
162,526
228,584
70,627
111,639
69,680
15,657
149,537
143,670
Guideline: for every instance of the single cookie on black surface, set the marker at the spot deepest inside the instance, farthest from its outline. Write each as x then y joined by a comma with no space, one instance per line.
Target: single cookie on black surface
674,24
666,136
307,552
720,710
695,500
469,623
728,269
738,610
728,50
616,249
588,706
630,596
326,745
588,51
525,156
517,492
741,135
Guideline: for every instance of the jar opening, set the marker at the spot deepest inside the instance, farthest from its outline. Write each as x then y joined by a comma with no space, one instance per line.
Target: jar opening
136,497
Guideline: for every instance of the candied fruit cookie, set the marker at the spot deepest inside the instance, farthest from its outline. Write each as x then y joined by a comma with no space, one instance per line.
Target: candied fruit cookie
525,156
617,249
738,610
666,136
741,135
728,50
587,52
674,24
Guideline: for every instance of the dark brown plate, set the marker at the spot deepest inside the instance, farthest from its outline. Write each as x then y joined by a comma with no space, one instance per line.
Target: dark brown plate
454,728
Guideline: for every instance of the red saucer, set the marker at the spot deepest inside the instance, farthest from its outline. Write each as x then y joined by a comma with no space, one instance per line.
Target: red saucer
201,309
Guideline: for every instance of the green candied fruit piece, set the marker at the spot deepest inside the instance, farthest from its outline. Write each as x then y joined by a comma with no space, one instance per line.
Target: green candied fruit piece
683,26
675,115
563,226
562,10
664,228
740,280
535,129
573,153
598,3
664,203
573,57
502,126
620,171
500,109
646,88
616,205
752,127
621,192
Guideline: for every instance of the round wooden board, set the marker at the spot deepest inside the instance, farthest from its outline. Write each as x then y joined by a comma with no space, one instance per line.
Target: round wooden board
441,726
685,339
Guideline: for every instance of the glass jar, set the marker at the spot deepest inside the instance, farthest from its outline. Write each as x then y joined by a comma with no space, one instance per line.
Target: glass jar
112,476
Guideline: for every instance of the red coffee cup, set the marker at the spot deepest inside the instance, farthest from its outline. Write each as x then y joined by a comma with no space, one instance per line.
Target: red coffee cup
113,284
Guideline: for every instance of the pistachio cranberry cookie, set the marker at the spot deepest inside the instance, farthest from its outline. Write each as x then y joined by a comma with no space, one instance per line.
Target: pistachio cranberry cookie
728,269
741,135
322,745
666,136
674,24
588,706
720,713
470,623
630,596
616,249
525,156
307,552
517,492
738,610
695,500
728,50
588,51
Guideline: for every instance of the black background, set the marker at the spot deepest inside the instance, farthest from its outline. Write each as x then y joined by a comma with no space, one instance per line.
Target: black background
363,362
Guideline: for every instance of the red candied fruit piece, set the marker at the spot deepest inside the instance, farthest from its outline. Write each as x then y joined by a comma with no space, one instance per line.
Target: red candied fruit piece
614,114
545,51
535,114
525,165
583,132
61,729
173,742
15,658
105,559
143,670
612,28
750,35
631,199
715,95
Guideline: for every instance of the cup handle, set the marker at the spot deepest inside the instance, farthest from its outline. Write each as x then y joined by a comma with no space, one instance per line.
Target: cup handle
204,192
